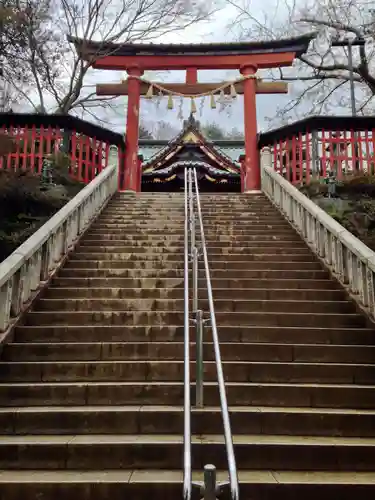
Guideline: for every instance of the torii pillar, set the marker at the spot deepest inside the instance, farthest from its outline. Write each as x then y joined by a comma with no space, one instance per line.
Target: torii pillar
251,165
132,131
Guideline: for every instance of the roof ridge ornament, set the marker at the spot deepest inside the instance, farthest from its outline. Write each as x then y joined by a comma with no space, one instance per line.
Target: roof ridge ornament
191,122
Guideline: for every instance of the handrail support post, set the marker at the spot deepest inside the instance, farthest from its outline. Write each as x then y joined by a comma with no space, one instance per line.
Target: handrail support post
209,482
199,325
195,279
209,488
191,212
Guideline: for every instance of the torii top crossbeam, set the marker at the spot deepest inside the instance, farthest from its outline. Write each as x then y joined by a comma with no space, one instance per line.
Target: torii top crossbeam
247,57
268,54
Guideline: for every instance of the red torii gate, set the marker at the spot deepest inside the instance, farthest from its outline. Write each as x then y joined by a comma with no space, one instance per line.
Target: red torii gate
247,57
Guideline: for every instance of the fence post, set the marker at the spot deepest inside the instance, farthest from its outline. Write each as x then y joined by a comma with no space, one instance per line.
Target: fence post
315,155
265,161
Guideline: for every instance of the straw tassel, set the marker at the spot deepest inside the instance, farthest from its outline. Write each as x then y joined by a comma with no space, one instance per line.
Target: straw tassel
150,92
170,102
233,92
193,106
213,102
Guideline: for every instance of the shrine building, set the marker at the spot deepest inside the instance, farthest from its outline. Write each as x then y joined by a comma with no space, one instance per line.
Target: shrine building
217,162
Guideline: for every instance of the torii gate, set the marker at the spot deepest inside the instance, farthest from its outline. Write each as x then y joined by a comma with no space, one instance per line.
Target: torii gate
247,57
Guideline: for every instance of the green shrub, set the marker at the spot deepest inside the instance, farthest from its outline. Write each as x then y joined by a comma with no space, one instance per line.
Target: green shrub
25,205
7,145
358,185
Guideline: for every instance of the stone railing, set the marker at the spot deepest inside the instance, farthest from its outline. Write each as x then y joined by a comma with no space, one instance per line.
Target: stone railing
350,261
28,268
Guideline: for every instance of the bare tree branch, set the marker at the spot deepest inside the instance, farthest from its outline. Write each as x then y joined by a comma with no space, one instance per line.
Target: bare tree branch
56,71
320,75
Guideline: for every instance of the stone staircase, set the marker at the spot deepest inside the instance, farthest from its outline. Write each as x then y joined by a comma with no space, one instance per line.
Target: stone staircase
91,387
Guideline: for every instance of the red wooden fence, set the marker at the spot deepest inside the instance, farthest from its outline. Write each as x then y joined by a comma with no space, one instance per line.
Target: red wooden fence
85,146
320,146
306,150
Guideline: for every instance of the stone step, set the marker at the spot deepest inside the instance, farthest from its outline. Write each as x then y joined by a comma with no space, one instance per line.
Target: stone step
143,216
134,262
176,305
58,292
173,371
250,235
147,317
213,246
217,283
124,195
228,236
172,393
123,273
132,199
205,197
179,204
178,210
169,252
257,246
119,451
172,350
324,335
290,274
177,262
178,213
174,254
155,206
180,194
209,201
250,222
160,203
135,225
167,484
224,218
163,204
235,229
169,419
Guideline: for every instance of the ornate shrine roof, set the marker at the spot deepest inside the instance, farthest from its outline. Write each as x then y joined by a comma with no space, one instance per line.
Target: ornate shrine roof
89,48
190,146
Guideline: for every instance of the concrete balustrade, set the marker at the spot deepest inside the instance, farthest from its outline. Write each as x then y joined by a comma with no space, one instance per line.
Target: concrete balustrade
26,270
349,260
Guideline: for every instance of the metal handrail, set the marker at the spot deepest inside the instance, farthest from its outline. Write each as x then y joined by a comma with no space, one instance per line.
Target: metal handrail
187,487
232,468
